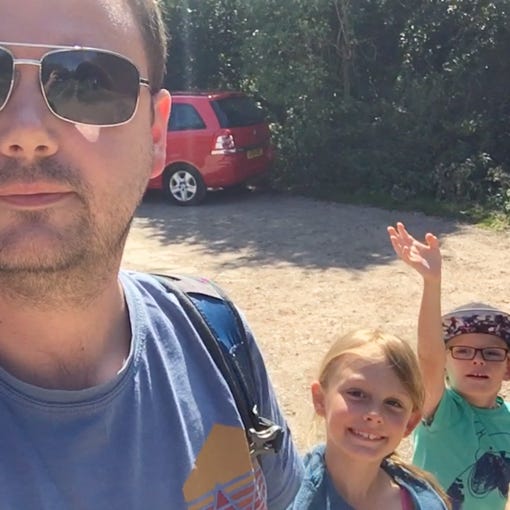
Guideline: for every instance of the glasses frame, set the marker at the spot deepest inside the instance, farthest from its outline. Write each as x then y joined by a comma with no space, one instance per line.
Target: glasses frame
477,350
62,49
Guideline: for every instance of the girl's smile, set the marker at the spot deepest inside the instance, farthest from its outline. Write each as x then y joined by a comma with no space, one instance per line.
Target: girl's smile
366,435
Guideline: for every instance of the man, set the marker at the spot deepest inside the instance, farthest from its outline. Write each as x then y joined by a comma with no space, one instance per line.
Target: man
106,398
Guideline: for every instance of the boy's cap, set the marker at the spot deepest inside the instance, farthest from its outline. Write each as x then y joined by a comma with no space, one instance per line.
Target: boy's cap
476,318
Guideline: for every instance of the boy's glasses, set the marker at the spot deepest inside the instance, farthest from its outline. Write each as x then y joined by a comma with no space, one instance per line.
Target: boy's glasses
488,353
79,85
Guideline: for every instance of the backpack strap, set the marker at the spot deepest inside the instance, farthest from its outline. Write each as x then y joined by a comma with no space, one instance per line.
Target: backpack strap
223,333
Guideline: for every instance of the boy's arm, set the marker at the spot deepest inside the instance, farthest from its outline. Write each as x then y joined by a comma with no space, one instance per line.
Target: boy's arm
425,258
431,349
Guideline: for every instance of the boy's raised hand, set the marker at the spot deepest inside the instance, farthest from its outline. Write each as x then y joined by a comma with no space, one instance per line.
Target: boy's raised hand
424,258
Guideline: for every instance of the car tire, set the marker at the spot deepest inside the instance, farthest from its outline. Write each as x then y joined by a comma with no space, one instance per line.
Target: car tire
183,185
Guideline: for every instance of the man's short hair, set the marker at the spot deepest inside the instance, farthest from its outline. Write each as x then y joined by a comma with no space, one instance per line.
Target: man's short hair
149,17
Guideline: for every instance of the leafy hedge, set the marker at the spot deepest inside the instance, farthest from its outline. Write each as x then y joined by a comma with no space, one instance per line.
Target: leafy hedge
404,98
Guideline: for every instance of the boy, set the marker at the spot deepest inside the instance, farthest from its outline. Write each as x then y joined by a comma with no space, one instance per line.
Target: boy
464,438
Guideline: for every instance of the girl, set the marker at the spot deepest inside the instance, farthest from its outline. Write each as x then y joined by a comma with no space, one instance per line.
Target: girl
370,394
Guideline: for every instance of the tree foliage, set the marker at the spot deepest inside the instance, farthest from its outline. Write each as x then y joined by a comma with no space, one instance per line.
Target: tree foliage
405,97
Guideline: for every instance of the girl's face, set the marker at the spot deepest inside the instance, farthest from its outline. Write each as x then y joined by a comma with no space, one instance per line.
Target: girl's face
365,406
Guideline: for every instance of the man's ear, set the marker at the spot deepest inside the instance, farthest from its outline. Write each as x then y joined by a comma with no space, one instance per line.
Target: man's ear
161,104
318,398
414,419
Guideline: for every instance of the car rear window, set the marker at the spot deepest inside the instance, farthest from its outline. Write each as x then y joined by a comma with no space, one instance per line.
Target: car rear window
183,117
237,111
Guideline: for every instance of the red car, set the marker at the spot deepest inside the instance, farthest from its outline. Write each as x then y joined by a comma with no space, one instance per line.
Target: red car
215,140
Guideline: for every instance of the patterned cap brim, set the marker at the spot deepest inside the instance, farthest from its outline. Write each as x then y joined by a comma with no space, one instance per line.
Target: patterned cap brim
482,320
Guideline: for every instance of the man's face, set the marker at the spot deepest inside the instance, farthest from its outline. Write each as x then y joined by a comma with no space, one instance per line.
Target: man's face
68,192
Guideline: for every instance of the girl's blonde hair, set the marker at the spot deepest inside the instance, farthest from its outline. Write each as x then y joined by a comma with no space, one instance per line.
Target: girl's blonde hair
369,343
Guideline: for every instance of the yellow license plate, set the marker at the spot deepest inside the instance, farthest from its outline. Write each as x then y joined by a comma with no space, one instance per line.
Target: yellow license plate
254,153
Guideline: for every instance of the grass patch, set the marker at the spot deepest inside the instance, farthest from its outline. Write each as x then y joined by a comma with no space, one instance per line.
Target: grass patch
466,212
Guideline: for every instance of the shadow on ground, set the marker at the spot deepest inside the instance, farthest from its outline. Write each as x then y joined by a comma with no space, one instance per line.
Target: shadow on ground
270,227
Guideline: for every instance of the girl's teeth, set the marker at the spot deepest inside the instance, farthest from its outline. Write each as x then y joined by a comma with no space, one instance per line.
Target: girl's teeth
365,435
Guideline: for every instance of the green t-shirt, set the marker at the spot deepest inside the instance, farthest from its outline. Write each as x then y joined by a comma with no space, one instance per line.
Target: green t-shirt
468,449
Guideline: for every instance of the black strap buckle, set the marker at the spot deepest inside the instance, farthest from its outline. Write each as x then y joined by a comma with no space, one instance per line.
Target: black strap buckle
268,439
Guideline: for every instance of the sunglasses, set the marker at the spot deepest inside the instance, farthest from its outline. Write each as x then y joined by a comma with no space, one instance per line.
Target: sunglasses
79,85
488,353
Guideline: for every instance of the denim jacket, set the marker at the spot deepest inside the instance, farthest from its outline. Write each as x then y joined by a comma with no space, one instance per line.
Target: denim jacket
317,491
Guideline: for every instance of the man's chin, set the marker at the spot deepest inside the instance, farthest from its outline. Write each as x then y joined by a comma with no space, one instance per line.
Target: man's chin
43,259
34,267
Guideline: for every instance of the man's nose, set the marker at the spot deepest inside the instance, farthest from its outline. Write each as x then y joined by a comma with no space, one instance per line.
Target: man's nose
25,121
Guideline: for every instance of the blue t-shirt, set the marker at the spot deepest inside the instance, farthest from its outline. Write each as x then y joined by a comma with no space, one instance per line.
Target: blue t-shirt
163,434
467,448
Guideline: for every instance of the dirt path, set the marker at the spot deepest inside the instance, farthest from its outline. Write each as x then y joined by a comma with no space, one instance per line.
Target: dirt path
303,270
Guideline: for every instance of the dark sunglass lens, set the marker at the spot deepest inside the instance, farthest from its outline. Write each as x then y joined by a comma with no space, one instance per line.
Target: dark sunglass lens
6,72
90,87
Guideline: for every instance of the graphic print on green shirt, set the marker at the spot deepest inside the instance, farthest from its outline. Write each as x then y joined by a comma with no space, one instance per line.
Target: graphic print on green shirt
468,449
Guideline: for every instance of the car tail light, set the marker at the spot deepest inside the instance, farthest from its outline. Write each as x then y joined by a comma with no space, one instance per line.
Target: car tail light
224,144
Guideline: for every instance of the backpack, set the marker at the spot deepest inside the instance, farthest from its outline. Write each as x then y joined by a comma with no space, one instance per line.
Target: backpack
223,333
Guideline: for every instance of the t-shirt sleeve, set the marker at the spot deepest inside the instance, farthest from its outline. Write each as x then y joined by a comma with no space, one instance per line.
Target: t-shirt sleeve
283,471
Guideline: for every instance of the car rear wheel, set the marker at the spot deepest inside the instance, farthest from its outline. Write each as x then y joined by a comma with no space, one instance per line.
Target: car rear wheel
184,185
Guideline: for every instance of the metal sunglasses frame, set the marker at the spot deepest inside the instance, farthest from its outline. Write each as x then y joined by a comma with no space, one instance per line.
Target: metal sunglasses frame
62,49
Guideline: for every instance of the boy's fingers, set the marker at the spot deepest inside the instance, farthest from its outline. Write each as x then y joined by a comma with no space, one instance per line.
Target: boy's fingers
406,236
401,228
432,240
395,244
405,254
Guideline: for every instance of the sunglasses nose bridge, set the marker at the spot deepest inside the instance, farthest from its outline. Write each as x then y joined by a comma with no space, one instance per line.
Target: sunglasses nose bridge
20,80
26,136
16,73
27,62
22,66
19,63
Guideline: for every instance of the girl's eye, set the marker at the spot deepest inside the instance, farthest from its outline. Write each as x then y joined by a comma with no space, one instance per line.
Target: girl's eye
395,403
354,393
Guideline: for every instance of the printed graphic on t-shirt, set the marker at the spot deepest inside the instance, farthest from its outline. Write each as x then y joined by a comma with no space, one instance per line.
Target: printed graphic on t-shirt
490,471
224,477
